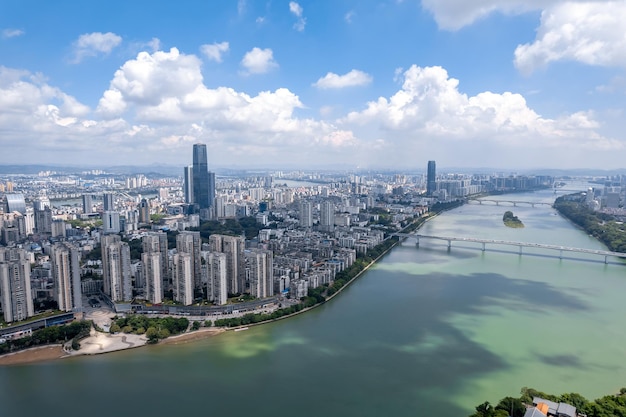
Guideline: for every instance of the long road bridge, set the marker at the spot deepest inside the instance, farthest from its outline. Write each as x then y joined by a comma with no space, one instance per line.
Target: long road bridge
508,202
520,245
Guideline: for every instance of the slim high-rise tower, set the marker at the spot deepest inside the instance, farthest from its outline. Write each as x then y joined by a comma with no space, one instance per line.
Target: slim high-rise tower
188,184
107,202
15,291
200,177
87,204
431,178
65,259
116,268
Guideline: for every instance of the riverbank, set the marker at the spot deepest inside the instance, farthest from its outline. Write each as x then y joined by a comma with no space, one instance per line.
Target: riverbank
33,355
100,343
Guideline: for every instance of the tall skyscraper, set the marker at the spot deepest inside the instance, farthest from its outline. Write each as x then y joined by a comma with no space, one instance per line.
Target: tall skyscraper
15,291
188,184
116,268
431,178
65,259
200,177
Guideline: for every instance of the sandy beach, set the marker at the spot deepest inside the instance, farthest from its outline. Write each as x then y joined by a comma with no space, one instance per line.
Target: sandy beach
192,336
100,343
37,354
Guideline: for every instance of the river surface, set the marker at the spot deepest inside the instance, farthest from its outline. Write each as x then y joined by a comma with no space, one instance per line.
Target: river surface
427,331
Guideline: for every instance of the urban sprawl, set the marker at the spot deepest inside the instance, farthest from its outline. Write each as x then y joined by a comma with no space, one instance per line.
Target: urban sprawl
200,244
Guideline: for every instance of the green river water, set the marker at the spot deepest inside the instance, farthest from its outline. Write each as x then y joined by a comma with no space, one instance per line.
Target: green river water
427,331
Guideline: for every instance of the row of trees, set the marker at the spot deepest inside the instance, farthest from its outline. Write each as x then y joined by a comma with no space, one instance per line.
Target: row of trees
601,226
154,328
48,335
607,406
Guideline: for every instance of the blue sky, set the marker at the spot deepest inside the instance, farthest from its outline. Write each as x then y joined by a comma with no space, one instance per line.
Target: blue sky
507,84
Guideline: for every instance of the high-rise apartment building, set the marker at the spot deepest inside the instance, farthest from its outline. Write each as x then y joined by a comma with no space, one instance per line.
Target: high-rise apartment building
15,291
327,216
108,202
233,247
191,243
65,260
217,285
156,242
144,211
259,273
431,178
110,222
116,268
306,214
43,220
151,267
87,204
183,278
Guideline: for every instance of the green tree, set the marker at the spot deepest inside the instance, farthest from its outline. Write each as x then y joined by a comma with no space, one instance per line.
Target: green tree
152,334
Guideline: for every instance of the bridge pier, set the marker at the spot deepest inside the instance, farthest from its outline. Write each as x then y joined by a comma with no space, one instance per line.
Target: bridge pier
449,244
520,249
606,259
483,246
497,203
532,204
514,204
561,254
417,243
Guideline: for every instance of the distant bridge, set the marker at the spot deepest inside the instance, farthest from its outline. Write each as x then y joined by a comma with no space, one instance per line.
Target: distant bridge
508,202
520,245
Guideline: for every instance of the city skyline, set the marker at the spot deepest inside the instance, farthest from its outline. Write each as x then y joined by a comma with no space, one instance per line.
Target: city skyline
303,84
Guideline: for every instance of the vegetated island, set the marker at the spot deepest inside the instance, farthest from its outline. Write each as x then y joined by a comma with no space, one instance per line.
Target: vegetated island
571,404
510,220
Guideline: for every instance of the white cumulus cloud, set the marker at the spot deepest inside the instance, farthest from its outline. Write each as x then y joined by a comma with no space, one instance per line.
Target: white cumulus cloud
592,33
258,61
93,44
11,33
215,50
297,11
454,14
430,104
351,79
